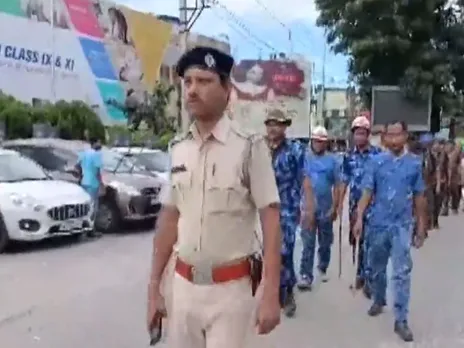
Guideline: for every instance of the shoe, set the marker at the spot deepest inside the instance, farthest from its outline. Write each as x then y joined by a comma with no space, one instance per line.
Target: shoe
359,283
290,305
323,276
367,291
375,310
403,331
305,284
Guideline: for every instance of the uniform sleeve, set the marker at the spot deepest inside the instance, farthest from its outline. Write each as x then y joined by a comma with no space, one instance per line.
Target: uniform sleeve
368,180
418,185
345,170
263,185
167,196
301,163
337,171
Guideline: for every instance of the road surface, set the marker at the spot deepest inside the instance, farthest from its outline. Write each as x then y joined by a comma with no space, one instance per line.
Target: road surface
93,295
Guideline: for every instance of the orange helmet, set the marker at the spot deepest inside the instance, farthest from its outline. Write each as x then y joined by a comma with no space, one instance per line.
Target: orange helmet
361,122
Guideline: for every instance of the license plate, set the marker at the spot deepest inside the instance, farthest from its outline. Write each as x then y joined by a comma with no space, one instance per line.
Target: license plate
70,225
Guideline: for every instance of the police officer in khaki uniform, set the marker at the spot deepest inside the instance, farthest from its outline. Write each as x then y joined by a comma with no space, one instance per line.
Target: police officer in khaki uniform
221,177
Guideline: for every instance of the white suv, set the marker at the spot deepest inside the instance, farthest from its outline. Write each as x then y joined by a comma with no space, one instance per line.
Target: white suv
35,207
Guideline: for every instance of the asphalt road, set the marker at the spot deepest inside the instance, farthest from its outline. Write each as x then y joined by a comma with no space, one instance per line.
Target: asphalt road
92,294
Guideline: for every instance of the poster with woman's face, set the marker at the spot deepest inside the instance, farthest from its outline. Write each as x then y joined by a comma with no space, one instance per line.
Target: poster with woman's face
267,80
118,42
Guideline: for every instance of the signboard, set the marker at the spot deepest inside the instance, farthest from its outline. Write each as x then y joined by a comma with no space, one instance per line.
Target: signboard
389,104
95,52
259,86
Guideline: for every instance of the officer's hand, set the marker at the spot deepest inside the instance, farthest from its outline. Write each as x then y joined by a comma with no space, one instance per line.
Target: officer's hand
309,222
332,214
419,239
268,315
357,228
156,309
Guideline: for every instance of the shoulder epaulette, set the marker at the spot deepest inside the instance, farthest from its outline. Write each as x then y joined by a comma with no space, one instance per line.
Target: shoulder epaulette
244,133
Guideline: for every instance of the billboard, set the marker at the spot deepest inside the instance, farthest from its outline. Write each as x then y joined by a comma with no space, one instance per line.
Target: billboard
389,104
261,85
96,51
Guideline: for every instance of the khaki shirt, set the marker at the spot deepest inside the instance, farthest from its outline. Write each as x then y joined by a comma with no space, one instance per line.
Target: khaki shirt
217,210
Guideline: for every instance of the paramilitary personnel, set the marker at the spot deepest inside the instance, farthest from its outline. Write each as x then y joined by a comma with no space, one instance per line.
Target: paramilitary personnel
221,178
288,158
393,181
352,171
322,175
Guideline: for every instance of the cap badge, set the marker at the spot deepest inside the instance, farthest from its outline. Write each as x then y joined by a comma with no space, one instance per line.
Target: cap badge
209,61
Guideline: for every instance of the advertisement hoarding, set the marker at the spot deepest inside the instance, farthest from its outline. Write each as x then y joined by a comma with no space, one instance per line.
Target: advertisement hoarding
389,104
98,50
259,86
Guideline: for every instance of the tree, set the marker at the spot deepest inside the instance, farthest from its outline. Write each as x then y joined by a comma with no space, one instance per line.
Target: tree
416,44
155,112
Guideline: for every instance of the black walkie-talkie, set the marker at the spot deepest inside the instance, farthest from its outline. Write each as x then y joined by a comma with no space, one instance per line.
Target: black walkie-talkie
156,333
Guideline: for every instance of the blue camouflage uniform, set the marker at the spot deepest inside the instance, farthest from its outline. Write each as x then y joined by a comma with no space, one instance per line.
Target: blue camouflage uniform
323,171
393,182
288,162
352,172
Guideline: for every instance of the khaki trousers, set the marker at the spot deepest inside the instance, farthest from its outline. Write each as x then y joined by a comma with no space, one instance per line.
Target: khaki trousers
210,316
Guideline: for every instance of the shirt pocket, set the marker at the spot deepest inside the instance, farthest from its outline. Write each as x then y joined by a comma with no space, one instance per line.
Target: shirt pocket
225,193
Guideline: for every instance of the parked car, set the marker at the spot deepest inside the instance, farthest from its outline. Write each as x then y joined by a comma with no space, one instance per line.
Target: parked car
129,194
154,160
33,206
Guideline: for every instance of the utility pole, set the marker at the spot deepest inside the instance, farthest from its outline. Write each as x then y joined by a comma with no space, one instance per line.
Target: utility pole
52,26
188,16
323,85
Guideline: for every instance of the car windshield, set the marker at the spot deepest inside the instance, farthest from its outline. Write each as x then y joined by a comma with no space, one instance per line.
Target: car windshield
114,161
15,168
153,161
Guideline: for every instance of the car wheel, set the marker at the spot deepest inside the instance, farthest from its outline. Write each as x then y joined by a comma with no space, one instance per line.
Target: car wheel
4,238
108,217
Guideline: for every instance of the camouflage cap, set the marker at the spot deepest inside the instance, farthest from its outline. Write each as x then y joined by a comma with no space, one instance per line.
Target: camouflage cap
277,116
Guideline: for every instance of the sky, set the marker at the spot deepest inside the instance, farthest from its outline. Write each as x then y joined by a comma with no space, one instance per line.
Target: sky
260,27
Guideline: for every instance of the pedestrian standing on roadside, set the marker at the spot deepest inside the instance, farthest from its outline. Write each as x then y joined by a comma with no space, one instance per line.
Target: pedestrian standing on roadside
438,151
221,178
454,185
321,182
429,169
288,158
393,182
352,172
89,169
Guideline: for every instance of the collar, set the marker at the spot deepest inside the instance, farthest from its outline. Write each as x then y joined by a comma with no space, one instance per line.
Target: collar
369,148
219,132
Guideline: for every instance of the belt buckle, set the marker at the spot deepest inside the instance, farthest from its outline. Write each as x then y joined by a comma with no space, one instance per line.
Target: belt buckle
202,273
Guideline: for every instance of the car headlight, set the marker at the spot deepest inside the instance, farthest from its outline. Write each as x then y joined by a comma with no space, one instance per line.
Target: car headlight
26,201
124,188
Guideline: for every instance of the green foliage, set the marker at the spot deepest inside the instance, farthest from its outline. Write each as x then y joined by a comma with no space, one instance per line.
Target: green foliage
73,120
155,114
416,44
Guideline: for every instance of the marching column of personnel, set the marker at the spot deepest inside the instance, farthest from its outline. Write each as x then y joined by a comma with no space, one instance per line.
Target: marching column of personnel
226,283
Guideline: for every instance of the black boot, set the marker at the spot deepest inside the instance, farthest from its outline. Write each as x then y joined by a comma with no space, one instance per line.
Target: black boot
359,284
375,310
290,305
403,331
367,291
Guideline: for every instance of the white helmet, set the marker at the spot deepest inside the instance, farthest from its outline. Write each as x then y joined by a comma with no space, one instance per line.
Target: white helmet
319,133
361,122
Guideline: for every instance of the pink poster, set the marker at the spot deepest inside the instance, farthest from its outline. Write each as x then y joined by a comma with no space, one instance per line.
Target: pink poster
83,17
